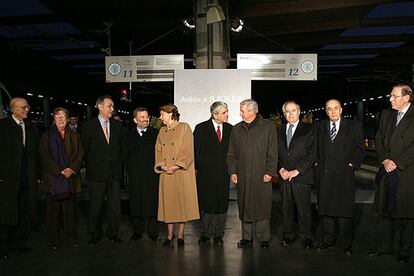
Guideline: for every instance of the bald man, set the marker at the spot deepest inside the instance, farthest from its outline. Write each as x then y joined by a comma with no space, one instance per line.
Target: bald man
339,154
18,174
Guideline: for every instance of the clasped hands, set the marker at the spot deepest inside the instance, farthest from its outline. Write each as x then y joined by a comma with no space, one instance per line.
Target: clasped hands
169,170
288,175
67,172
266,178
389,165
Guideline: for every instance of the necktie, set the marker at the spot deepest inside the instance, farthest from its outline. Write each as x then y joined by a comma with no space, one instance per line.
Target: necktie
399,117
23,132
333,132
141,132
106,132
289,134
219,133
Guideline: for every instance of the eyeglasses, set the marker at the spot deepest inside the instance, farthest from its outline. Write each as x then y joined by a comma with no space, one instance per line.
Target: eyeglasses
60,116
395,96
23,107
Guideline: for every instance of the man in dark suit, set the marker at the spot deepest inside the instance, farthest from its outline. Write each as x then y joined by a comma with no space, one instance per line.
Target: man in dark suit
339,154
211,141
143,181
297,155
395,192
18,175
102,141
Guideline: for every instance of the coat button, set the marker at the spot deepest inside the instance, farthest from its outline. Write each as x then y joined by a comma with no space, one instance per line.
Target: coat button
173,158
172,144
163,144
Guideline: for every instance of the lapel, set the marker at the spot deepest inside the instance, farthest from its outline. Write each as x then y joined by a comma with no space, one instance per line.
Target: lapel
341,132
405,123
283,135
298,133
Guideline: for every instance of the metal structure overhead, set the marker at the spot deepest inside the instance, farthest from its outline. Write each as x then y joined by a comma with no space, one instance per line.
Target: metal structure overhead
64,42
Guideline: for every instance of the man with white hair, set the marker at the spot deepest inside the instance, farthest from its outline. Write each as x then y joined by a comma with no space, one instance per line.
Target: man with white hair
252,162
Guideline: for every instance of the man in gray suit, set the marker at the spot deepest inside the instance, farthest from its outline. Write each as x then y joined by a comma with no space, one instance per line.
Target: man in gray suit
395,194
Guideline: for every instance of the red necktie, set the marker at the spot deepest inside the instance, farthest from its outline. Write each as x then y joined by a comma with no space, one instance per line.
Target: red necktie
219,133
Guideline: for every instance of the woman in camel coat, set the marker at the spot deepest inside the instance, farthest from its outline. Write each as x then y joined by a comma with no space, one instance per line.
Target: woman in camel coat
174,161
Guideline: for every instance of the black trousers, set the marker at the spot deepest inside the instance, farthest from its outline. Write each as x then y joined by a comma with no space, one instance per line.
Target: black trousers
386,234
296,202
16,236
212,224
98,191
62,210
139,223
345,230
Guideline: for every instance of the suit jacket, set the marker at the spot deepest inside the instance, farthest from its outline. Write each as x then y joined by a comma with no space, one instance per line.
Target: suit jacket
143,181
210,162
300,155
103,160
335,177
14,168
397,143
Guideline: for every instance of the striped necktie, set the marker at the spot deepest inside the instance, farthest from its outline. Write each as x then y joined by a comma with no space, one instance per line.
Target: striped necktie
333,132
399,117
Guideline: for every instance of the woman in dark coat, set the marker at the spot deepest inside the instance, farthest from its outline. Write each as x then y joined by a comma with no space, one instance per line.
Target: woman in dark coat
61,154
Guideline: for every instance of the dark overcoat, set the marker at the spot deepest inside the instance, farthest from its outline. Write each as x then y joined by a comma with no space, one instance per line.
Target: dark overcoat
103,160
213,181
11,164
142,179
300,155
73,150
397,143
335,177
253,153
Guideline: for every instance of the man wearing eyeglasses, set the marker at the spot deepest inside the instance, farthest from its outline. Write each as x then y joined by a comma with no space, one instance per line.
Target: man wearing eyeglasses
339,154
395,192
18,175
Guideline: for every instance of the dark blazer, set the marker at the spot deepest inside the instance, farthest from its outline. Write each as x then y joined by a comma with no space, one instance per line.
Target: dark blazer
143,181
335,177
210,162
301,154
397,143
73,153
103,160
11,166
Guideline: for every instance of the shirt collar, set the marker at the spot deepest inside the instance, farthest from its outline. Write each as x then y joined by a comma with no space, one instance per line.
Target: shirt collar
17,121
215,125
406,108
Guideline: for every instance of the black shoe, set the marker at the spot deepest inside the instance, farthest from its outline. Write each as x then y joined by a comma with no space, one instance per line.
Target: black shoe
168,242
203,240
348,251
53,247
285,242
324,246
244,243
135,237
403,259
264,244
115,239
93,242
218,240
378,253
4,255
154,238
180,242
308,244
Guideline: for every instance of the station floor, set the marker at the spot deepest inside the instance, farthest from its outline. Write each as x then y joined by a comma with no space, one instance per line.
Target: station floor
146,257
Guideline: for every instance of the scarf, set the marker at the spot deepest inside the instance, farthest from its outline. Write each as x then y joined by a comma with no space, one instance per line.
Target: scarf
59,185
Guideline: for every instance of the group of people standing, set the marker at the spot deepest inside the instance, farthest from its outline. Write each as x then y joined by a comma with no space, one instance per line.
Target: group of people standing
176,176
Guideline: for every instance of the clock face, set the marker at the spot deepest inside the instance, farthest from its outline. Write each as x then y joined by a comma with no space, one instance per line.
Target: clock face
114,69
307,67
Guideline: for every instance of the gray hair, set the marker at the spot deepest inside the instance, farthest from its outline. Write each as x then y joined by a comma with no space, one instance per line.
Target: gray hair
139,109
290,102
215,107
251,105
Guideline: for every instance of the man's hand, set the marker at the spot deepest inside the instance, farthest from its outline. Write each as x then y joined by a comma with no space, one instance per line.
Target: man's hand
233,178
293,174
267,178
284,173
172,169
389,165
